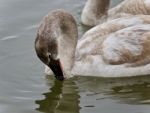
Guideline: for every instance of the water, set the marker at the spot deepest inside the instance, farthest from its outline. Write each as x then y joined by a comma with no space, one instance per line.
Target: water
25,89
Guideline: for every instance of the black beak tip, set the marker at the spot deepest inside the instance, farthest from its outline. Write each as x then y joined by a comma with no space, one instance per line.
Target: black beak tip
55,66
60,78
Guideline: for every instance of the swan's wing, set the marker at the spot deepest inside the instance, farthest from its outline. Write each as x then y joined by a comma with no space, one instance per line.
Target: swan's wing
90,43
129,45
133,7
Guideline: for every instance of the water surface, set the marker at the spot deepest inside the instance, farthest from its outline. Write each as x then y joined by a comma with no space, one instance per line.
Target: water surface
25,89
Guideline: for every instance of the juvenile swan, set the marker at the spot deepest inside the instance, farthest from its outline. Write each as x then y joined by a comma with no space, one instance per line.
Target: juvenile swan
117,48
97,11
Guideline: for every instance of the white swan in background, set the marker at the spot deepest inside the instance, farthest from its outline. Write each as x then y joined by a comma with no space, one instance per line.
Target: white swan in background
117,48
97,11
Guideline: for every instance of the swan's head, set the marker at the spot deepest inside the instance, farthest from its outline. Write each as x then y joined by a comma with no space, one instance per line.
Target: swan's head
56,42
47,51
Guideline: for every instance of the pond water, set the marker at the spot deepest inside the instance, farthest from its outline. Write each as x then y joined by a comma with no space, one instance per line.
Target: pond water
24,88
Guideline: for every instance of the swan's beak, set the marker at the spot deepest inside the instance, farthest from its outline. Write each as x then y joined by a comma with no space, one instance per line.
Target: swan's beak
55,66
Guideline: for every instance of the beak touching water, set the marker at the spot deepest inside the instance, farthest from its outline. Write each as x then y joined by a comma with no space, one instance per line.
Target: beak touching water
56,67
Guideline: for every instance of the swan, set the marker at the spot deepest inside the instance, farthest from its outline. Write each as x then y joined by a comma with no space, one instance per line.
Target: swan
117,48
97,11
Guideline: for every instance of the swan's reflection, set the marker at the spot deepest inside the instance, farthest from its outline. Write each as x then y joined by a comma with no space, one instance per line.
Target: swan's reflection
63,97
94,93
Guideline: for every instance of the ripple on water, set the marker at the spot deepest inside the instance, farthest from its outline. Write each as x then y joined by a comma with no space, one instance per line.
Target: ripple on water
145,102
32,27
9,38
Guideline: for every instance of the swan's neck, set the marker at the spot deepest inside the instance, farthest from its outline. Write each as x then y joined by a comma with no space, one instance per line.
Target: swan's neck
95,11
67,42
66,52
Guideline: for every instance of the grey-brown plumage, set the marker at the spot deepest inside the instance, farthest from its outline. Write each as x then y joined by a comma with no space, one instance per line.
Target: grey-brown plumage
49,44
97,11
104,50
58,21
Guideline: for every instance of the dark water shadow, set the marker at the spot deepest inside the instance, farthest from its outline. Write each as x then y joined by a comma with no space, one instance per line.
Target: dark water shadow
62,97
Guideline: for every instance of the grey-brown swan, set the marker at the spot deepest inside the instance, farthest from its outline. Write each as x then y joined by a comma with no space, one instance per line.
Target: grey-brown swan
97,11
117,48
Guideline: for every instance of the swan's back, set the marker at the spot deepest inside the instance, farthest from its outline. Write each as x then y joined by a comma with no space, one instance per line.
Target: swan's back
129,45
92,15
117,48
130,7
92,40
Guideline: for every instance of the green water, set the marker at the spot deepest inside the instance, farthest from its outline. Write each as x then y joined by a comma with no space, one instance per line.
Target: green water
24,88
96,95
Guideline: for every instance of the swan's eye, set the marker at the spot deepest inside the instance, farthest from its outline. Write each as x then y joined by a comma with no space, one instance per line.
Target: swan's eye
49,55
52,56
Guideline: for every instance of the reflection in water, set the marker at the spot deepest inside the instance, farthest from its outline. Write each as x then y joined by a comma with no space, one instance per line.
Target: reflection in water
96,94
114,94
62,98
132,94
